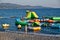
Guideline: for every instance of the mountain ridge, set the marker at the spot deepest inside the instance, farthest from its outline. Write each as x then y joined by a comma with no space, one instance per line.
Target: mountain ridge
17,6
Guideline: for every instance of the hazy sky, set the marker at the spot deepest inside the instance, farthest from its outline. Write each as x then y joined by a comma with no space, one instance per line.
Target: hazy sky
46,3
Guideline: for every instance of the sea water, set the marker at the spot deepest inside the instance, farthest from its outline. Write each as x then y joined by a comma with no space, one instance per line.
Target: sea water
7,13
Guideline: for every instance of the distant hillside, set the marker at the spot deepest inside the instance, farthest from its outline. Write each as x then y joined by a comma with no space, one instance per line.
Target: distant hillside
16,6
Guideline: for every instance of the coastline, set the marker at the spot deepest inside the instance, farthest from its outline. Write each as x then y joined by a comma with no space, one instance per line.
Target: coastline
24,36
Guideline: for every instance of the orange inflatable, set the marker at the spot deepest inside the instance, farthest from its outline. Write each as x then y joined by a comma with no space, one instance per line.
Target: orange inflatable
31,21
35,20
50,21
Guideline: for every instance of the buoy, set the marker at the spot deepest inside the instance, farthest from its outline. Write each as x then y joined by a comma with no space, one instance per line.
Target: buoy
5,26
19,26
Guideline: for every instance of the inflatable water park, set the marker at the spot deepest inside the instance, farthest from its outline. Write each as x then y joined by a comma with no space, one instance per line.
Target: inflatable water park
32,22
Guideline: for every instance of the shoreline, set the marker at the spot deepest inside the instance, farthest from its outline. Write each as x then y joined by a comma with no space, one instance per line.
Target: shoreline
26,36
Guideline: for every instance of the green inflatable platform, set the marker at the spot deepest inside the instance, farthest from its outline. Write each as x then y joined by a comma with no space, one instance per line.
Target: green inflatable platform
22,23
